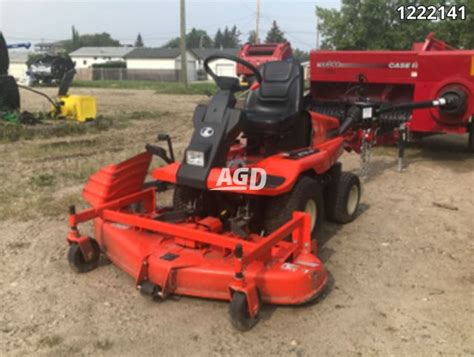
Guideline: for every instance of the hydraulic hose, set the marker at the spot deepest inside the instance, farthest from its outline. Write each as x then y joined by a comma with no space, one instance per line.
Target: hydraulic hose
39,93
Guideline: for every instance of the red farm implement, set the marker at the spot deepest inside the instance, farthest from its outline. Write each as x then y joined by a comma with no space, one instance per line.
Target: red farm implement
432,69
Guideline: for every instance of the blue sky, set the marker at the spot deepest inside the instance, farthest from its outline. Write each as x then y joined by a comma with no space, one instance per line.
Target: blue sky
156,20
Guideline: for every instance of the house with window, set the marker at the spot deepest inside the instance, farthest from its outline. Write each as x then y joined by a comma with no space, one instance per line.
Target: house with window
221,67
86,57
165,61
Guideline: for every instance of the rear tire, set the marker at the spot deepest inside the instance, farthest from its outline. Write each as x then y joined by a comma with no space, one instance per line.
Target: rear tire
470,139
343,198
306,196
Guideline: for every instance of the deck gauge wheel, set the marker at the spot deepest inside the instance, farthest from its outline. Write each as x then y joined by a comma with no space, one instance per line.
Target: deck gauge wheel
77,261
239,313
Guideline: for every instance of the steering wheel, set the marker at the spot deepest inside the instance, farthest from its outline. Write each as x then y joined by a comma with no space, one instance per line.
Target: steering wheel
230,83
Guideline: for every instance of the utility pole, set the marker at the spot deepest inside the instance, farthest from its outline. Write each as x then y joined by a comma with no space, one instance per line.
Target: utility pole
182,44
317,30
257,24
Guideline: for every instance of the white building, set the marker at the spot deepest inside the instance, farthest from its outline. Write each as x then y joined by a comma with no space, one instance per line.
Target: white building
85,57
221,67
165,59
18,66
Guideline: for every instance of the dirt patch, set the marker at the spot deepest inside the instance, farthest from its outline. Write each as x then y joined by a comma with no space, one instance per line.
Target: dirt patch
403,277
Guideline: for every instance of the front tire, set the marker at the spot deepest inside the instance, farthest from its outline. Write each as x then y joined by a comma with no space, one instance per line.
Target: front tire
306,196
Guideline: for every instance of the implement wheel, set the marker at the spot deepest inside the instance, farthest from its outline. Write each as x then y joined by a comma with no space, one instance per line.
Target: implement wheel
77,261
239,313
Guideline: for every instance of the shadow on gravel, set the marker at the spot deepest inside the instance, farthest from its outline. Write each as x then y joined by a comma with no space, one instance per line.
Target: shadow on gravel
447,150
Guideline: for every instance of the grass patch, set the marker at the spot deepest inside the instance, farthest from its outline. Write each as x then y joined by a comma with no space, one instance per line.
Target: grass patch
197,88
43,180
10,132
58,206
15,131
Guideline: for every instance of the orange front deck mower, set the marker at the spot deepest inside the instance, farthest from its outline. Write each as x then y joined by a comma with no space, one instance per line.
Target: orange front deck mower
249,200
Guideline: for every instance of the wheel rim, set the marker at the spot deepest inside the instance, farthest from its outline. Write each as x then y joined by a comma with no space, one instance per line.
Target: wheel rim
312,209
353,200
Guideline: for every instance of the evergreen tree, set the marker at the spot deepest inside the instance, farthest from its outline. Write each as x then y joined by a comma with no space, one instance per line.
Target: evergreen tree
252,37
75,37
196,38
230,38
218,39
139,41
275,35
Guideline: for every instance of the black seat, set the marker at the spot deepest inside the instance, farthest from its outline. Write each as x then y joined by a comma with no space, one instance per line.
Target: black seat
276,105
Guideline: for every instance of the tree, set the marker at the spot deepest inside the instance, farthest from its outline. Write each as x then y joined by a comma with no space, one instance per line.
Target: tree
218,39
227,38
139,41
75,37
300,56
252,37
92,40
275,35
196,38
374,24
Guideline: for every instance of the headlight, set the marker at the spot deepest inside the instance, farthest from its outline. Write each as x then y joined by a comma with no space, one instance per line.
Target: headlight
195,158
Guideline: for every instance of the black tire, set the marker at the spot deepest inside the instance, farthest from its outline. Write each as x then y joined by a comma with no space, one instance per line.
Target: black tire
339,193
280,209
148,289
9,94
239,313
470,139
77,261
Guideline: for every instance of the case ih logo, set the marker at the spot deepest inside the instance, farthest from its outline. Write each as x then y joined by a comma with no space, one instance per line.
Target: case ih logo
391,65
403,65
242,179
329,64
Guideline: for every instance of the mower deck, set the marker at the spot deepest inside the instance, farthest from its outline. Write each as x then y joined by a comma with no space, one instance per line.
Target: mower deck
196,257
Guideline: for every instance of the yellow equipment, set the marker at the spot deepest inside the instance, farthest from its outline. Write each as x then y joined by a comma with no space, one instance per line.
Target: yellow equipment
77,107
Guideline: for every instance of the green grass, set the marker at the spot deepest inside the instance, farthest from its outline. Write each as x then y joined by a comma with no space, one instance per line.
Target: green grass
196,88
54,128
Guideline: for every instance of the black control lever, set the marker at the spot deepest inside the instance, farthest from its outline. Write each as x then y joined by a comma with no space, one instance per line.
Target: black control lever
160,152
166,137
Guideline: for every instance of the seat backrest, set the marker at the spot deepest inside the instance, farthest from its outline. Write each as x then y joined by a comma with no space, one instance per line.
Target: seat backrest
281,90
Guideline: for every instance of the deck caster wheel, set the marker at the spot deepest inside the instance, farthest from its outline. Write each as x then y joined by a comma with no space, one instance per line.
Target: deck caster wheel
77,261
149,289
344,198
239,313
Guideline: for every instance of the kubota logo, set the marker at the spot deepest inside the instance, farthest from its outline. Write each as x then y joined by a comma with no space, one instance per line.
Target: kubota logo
243,178
207,132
